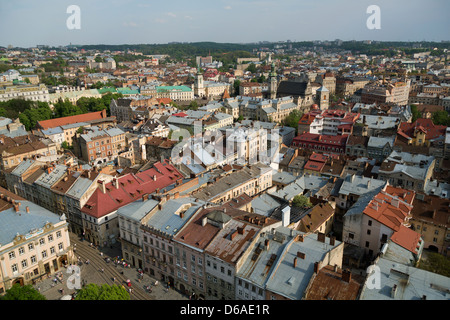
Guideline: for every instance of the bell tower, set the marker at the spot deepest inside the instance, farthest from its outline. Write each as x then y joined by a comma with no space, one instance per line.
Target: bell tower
273,84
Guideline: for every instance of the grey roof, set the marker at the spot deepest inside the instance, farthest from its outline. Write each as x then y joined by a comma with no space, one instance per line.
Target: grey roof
51,131
283,177
168,219
359,185
380,142
137,209
291,282
23,167
411,283
305,183
272,268
80,186
22,222
49,179
264,204
74,125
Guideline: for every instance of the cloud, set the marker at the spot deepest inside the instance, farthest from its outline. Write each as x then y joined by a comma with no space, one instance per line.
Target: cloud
171,14
227,8
158,20
188,17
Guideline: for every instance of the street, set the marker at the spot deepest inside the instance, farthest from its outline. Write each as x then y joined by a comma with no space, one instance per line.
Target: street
98,271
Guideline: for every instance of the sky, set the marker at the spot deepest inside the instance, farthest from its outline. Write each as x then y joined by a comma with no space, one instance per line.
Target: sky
27,23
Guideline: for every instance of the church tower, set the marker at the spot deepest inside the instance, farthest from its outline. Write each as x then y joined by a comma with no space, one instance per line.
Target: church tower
199,89
323,98
273,85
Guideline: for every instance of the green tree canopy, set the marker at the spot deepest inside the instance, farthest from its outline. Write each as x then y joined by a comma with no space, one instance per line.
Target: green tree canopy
441,118
436,263
104,292
415,112
293,118
301,201
18,292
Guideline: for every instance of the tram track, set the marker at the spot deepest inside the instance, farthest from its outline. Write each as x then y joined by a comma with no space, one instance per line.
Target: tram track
110,270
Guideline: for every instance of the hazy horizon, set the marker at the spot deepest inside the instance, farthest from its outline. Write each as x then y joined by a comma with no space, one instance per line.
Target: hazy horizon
129,22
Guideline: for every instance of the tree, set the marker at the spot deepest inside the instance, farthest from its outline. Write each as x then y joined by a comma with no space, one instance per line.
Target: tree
441,118
293,118
436,263
236,85
415,112
193,105
104,292
18,292
66,108
301,201
252,68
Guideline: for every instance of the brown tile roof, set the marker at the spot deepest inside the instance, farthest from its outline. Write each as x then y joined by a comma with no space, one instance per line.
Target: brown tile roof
329,285
315,217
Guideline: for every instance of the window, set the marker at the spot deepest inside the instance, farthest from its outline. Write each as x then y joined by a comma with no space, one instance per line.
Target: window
21,250
368,231
44,254
24,264
33,259
41,241
60,246
58,234
351,235
12,255
370,222
52,250
367,244
50,238
14,268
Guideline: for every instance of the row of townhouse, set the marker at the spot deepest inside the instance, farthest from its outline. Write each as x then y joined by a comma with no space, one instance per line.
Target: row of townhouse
218,252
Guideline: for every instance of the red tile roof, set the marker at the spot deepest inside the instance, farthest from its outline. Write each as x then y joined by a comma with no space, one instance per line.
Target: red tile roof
426,125
53,123
130,188
389,209
407,238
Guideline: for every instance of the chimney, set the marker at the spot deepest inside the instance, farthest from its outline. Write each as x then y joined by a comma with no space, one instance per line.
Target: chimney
176,195
295,262
154,177
321,237
317,267
232,235
240,230
28,209
266,244
103,185
286,216
145,197
204,221
346,275
301,255
332,241
16,207
336,268
182,215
